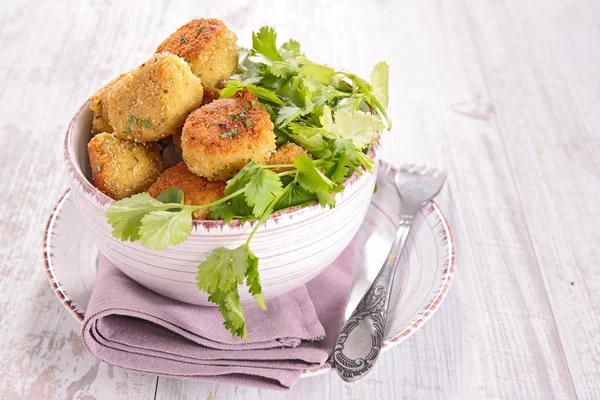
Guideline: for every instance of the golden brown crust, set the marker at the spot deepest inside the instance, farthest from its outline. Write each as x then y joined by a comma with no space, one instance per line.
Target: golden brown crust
197,191
122,168
208,46
99,106
210,154
286,154
154,100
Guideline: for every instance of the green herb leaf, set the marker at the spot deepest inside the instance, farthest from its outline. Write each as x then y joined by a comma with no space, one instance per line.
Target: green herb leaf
145,123
235,86
262,187
223,269
219,275
253,280
265,42
296,196
361,127
379,82
160,229
292,46
223,211
309,176
125,215
232,311
248,123
201,29
230,133
325,199
171,195
98,167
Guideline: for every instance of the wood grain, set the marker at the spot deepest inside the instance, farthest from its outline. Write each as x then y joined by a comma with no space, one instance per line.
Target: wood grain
503,94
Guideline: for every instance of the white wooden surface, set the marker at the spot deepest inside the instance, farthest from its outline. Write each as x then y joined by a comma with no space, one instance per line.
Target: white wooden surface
505,94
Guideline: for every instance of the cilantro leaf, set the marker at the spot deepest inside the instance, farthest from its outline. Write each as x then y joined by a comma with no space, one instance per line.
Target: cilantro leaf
230,307
235,86
364,87
294,197
262,187
339,170
282,69
318,71
287,114
253,280
171,195
310,178
325,199
220,274
379,82
159,229
223,269
311,138
223,211
239,205
361,127
292,46
265,42
125,216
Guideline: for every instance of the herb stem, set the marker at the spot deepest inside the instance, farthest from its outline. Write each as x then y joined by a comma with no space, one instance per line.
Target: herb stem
222,199
279,166
286,173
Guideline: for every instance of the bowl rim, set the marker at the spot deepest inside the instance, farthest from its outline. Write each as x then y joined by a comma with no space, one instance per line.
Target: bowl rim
76,173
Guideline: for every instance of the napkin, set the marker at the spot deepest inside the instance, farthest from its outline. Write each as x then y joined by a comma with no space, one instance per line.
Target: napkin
132,327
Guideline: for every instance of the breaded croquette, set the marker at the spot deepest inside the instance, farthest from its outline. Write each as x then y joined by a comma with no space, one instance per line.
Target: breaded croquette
98,105
153,101
208,46
123,168
221,137
286,154
197,191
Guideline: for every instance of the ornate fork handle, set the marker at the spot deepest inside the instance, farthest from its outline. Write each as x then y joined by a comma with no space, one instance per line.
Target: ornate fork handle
360,339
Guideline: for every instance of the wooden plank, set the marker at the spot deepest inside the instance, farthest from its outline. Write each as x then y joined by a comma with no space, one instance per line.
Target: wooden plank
544,80
45,69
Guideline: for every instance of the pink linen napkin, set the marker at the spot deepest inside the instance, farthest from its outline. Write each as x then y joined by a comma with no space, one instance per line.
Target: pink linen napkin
132,327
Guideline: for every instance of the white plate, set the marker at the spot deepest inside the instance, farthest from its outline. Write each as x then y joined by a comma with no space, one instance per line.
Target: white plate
421,283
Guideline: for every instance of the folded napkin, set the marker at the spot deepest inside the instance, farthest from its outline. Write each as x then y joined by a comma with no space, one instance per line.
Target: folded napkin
132,327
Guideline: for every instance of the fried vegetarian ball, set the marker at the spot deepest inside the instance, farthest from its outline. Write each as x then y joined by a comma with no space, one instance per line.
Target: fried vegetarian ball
153,101
221,137
286,154
208,46
197,191
98,105
123,168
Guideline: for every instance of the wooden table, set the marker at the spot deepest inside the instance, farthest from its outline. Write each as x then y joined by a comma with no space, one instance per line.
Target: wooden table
504,94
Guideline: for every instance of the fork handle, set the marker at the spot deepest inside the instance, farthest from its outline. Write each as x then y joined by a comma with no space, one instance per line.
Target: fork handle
359,342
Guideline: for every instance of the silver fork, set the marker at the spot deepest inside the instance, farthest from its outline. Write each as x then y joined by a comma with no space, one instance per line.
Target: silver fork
359,342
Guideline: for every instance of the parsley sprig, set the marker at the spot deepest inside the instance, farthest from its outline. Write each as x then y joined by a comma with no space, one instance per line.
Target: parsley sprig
335,116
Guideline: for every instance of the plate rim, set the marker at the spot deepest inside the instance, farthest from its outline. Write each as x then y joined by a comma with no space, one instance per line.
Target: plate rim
427,312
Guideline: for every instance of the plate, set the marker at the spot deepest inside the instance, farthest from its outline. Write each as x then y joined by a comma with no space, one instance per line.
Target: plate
422,282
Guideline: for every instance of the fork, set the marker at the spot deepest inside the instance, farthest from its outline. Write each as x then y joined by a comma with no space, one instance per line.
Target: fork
359,342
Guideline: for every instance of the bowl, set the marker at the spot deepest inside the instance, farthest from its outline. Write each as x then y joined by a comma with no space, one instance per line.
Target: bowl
293,246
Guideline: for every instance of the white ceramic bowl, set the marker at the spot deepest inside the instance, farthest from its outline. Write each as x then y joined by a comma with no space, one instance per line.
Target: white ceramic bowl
293,246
